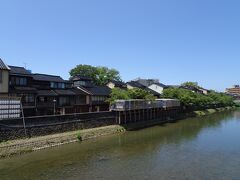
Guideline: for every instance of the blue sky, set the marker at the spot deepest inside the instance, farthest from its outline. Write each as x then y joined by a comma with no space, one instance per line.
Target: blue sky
173,40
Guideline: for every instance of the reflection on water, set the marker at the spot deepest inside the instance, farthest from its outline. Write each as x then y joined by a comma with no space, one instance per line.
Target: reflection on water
195,148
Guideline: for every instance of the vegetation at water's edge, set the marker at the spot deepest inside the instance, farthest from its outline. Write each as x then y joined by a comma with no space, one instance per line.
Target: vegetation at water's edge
79,136
189,98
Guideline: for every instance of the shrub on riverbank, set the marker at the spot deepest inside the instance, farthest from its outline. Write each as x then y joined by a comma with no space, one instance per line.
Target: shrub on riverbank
79,136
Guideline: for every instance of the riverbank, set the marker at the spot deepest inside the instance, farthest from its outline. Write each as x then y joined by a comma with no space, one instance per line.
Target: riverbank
209,111
141,125
20,146
204,147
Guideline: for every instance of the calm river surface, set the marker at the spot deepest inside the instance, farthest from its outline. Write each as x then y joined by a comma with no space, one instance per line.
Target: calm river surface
195,148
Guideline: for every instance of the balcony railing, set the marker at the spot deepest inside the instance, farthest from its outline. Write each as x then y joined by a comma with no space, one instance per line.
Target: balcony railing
28,104
45,104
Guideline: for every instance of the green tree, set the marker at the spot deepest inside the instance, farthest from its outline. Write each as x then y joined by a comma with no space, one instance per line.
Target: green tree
118,93
100,75
191,84
136,93
189,98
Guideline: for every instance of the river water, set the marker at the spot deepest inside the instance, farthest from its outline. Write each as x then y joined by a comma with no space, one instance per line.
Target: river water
195,148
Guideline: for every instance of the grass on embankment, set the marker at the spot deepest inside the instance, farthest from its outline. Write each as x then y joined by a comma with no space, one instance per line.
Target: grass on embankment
20,146
210,111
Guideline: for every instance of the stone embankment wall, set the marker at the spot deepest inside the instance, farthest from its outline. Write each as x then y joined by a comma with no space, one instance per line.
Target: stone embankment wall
45,125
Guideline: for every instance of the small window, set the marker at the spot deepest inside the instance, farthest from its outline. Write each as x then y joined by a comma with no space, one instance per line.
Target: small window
41,99
52,85
61,85
21,81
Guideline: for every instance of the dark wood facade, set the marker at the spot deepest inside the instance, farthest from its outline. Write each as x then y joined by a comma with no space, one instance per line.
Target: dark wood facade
43,94
98,94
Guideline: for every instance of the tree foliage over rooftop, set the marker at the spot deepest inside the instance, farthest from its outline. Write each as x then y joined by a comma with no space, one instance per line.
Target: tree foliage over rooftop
100,75
134,93
191,84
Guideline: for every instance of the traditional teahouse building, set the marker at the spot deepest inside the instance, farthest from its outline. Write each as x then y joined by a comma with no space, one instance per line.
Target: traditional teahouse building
21,85
97,94
54,95
43,94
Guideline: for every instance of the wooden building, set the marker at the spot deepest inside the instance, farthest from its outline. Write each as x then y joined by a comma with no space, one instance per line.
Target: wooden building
21,85
97,94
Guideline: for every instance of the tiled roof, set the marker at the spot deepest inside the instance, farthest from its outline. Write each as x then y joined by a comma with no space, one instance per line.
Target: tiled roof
160,84
173,86
23,89
140,86
46,77
19,71
3,66
79,91
64,92
78,77
118,83
149,82
136,84
97,90
46,93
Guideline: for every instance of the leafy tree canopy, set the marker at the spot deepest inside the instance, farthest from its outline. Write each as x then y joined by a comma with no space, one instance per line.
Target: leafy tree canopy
100,75
191,84
189,98
118,93
134,93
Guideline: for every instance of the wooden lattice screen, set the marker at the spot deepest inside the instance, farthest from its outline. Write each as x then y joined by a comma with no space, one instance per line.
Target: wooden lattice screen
10,107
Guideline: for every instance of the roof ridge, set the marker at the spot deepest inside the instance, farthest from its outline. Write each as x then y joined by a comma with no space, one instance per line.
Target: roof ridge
47,75
17,66
84,90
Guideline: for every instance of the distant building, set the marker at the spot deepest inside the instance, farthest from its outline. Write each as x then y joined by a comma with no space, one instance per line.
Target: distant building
116,84
198,90
152,84
4,78
194,89
172,86
136,84
234,90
